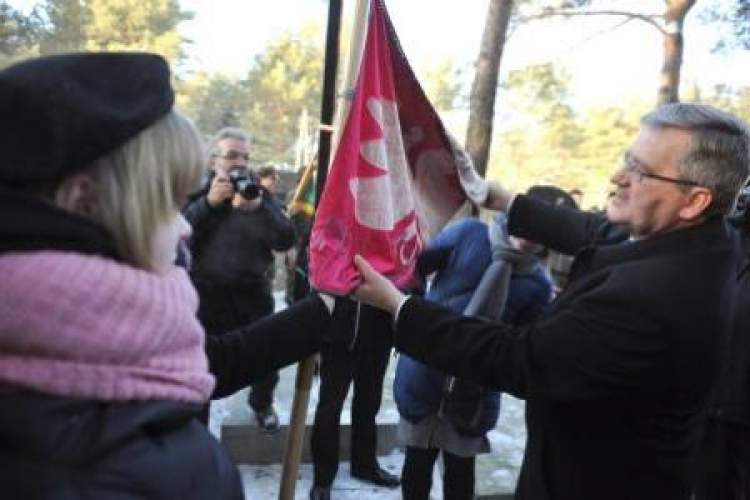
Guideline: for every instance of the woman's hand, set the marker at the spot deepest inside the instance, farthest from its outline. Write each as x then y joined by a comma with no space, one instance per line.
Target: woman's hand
375,288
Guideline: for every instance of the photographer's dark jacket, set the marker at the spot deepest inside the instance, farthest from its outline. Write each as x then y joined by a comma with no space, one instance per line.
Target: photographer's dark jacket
616,371
233,247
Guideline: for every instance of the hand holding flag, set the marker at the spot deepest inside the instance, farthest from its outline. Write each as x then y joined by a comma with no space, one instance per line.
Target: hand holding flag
375,289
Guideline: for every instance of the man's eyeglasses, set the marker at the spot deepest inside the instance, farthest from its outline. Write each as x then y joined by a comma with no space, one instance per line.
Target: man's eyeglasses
234,155
631,165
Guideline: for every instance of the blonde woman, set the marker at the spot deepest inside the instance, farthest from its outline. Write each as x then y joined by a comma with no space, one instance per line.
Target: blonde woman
102,363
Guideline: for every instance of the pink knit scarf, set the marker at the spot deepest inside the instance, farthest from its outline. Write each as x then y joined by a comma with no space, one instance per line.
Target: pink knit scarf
85,326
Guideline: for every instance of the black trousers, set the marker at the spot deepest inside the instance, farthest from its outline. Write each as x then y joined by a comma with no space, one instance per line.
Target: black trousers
723,466
223,309
416,476
364,365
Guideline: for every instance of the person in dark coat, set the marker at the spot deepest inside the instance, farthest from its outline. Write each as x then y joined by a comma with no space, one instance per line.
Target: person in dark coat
237,225
355,354
102,364
445,415
616,371
723,465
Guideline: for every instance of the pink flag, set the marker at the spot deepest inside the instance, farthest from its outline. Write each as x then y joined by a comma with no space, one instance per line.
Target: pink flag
393,180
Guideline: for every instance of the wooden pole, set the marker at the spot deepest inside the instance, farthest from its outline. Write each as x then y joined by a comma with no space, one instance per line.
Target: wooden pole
296,432
306,368
359,31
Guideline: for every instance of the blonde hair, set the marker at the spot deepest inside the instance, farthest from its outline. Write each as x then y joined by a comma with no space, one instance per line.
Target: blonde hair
144,182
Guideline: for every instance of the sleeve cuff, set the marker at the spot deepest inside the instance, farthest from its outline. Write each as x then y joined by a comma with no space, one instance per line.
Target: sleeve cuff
398,310
510,203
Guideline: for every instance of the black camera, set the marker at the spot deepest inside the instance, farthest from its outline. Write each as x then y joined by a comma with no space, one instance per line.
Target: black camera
244,183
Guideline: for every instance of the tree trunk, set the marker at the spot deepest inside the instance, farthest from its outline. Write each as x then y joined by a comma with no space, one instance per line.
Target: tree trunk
484,88
674,20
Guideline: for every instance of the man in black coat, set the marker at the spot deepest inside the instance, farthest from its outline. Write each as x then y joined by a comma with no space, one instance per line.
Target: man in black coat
617,371
237,225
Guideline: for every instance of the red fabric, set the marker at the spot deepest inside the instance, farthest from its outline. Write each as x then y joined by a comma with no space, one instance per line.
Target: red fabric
392,181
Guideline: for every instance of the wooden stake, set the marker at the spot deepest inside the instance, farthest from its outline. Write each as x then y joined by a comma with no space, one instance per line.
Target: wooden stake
306,368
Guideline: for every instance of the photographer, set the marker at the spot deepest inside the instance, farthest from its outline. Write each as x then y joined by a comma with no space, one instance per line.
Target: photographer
236,229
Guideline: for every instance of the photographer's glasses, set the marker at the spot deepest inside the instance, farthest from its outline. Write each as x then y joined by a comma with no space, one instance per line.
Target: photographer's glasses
632,166
234,155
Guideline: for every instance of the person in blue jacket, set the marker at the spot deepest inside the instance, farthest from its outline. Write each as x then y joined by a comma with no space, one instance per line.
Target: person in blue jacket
441,413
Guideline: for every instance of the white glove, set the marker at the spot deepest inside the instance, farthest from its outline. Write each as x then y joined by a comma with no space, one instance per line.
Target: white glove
474,185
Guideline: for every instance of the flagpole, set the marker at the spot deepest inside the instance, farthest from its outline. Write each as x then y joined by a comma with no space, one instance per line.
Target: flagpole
359,32
306,367
328,143
299,192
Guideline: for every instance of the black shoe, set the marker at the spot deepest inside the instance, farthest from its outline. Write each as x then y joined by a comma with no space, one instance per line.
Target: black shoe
267,419
377,476
320,493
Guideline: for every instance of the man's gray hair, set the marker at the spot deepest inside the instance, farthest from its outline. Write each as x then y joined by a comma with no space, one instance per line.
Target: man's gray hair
225,133
718,157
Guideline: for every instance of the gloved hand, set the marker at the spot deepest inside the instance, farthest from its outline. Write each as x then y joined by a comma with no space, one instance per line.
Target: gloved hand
475,186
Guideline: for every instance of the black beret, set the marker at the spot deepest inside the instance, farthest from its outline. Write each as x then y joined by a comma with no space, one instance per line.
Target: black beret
60,113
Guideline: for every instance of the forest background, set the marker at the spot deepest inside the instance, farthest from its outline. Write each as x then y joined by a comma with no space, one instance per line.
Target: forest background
542,129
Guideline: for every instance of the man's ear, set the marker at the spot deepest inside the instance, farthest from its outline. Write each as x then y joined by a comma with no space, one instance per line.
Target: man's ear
697,202
79,194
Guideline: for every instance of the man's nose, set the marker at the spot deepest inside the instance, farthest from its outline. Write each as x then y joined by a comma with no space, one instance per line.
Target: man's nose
620,176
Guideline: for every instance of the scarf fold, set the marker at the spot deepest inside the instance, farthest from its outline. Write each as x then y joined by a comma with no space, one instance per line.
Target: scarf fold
497,231
86,326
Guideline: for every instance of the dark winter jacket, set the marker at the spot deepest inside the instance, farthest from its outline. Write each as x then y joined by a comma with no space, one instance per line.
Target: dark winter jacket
460,253
232,256
233,248
616,371
57,448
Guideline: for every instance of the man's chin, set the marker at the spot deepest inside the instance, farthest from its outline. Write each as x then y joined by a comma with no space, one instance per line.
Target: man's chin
614,213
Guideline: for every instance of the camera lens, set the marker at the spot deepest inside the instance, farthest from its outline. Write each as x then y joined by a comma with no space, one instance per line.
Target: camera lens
247,189
244,184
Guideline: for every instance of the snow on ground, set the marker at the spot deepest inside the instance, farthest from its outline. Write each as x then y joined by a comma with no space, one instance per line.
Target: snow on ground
262,483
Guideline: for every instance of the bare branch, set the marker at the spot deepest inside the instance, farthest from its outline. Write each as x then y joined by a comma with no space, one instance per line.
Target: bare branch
651,19
607,30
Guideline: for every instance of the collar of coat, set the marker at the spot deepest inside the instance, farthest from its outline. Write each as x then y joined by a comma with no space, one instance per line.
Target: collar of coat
714,231
29,224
